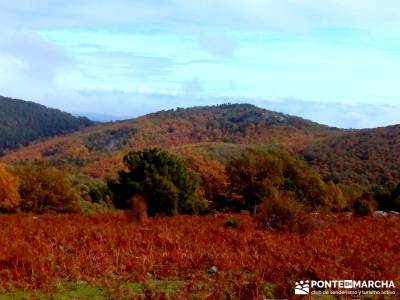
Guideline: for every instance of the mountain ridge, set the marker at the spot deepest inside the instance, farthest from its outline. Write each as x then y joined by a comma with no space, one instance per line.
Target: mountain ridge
361,156
99,149
22,122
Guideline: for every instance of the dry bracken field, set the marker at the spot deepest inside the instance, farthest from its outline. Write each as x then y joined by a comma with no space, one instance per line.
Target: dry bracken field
190,257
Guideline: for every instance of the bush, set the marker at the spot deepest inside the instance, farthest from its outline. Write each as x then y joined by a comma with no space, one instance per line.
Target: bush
162,179
364,205
280,212
44,188
91,189
387,197
9,197
232,223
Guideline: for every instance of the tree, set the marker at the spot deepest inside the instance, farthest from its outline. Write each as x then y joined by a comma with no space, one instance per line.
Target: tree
214,180
308,185
44,188
162,179
254,175
9,197
335,200
387,197
257,173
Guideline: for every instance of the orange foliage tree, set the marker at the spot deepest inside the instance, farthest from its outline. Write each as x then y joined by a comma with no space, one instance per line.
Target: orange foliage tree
214,180
9,197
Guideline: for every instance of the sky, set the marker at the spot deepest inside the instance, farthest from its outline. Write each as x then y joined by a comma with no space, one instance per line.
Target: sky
336,62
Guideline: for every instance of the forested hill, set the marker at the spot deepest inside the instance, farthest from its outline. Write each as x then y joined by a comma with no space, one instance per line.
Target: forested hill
22,122
99,149
368,156
238,117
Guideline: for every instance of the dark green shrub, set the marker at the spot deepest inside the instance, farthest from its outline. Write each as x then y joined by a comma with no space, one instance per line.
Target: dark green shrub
162,179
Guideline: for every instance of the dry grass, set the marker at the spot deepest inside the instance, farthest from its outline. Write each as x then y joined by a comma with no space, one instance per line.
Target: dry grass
39,251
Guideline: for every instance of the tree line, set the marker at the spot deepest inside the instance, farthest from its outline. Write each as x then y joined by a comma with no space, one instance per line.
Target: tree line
169,185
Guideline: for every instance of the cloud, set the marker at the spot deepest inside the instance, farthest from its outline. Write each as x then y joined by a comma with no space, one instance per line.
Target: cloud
219,45
254,14
29,64
143,66
343,115
118,105
192,86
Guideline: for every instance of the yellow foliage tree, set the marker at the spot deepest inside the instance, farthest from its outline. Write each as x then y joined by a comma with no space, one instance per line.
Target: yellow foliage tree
44,188
9,197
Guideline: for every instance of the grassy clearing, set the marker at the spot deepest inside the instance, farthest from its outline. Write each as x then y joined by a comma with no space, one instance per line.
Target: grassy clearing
86,291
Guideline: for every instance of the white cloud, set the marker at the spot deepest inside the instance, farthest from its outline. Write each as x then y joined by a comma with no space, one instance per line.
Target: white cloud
343,115
219,45
29,64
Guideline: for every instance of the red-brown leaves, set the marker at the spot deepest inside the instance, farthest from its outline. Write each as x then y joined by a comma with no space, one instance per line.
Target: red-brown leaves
38,251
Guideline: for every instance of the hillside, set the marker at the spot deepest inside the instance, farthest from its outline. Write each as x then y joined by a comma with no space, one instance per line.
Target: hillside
22,122
368,156
98,150
357,156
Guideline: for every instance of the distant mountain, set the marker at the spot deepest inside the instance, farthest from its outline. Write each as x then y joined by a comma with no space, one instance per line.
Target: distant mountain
98,150
22,122
368,156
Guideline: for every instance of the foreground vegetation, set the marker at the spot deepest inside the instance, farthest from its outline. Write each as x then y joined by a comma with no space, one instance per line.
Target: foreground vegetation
175,255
